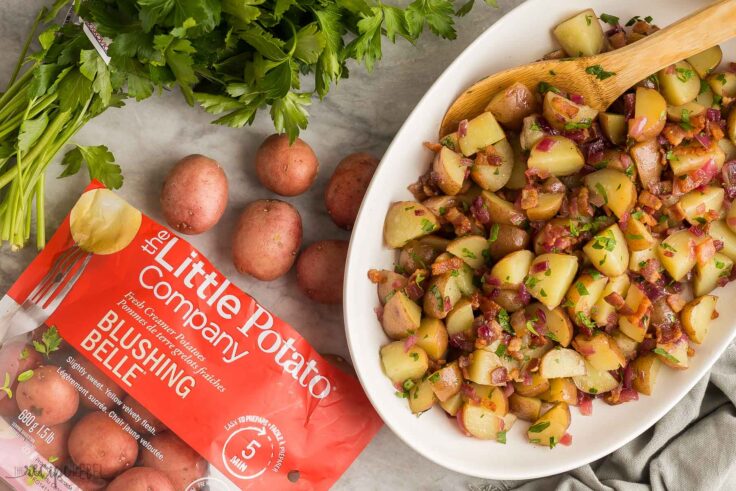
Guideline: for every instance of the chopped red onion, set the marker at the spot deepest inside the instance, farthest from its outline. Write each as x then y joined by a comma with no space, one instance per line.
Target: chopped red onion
713,115
697,231
524,295
627,395
499,376
576,98
566,440
718,244
479,211
629,105
462,128
540,267
469,392
637,127
466,162
628,376
508,390
585,404
703,140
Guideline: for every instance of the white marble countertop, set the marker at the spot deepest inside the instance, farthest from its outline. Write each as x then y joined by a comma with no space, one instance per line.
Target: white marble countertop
361,114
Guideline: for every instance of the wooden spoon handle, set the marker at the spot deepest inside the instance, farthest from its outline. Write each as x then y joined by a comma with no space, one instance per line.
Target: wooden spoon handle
686,37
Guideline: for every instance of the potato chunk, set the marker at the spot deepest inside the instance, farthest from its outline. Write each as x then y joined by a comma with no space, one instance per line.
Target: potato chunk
547,207
502,211
526,408
449,168
479,132
614,127
648,160
677,253
536,386
509,272
602,311
550,277
511,105
556,155
673,355
549,429
432,338
561,390
564,114
441,296
679,83
556,323
650,115
407,220
581,35
400,364
595,381
460,318
600,350
607,251
706,61
696,317
447,381
583,294
707,275
646,369
421,398
614,188
480,422
720,231
482,363
636,325
401,316
697,203
493,177
638,237
561,362
473,249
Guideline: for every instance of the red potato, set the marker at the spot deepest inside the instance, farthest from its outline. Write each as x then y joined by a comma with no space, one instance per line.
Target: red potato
148,424
141,479
48,396
55,452
347,186
194,194
285,169
15,358
320,270
180,462
267,237
95,390
101,447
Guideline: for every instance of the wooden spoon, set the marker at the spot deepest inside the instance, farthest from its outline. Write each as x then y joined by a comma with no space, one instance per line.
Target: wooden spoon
630,64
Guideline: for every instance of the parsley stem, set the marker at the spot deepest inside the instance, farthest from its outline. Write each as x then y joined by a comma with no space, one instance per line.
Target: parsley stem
40,216
21,59
20,84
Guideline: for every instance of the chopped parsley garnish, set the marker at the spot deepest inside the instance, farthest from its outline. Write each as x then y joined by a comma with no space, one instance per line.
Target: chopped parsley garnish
552,336
501,437
684,74
638,214
417,260
589,19
605,241
552,442
602,261
408,208
415,356
585,320
493,237
595,275
427,226
635,236
535,127
469,254
442,210
530,326
438,298
455,273
721,77
542,292
545,87
50,341
434,377
610,19
389,296
548,272
602,191
581,289
503,320
629,171
599,72
593,390
666,355
449,142
720,264
501,351
531,282
685,120
580,125
409,383
402,395
539,427
668,247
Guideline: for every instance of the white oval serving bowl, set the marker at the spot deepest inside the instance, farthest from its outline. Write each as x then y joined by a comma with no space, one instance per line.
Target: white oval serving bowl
520,37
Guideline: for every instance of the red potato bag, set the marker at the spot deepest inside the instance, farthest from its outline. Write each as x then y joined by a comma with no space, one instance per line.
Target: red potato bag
228,395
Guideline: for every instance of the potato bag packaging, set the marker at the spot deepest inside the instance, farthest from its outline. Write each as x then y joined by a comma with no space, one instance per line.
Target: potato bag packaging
124,348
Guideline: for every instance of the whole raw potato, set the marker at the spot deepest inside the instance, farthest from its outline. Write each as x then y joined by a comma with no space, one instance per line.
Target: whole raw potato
267,238
55,452
141,479
84,480
98,393
15,358
148,422
347,186
48,396
182,464
286,169
320,270
194,195
100,446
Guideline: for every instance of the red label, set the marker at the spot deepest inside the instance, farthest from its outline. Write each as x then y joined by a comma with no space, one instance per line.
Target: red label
233,381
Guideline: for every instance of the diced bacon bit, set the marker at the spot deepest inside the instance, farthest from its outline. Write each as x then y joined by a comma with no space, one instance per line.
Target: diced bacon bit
376,276
728,176
582,196
676,301
540,267
704,140
441,267
462,128
651,270
617,40
704,251
676,212
647,219
490,156
585,403
715,315
460,222
514,345
718,244
526,377
555,238
644,27
419,213
535,173
667,333
715,130
529,198
615,300
533,365
695,179
488,307
410,342
524,295
425,187
642,310
414,291
435,147
650,201
379,313
461,342
499,376
448,304
545,144
474,300
676,134
518,321
627,395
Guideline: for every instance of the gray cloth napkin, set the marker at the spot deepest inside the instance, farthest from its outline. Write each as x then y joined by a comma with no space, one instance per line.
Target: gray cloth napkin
692,448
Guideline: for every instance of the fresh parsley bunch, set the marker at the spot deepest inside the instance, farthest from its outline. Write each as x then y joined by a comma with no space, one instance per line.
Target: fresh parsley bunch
232,57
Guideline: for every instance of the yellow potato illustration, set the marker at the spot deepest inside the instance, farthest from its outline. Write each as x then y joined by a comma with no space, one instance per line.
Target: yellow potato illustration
102,223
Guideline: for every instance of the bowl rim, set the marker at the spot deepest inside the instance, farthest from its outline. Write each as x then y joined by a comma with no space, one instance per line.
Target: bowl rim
352,264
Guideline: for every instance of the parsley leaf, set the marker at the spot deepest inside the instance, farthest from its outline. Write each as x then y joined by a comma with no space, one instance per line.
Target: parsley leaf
666,355
50,341
599,72
539,427
99,161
